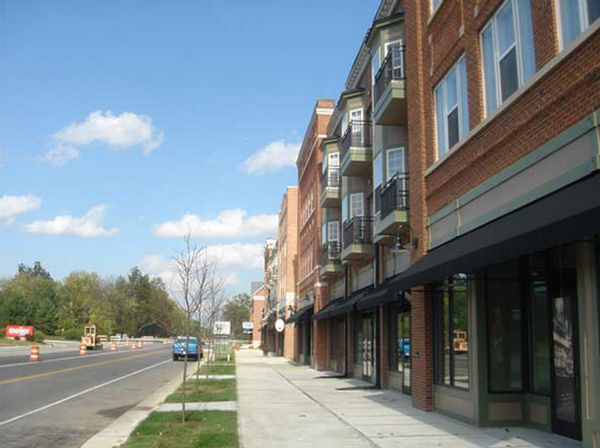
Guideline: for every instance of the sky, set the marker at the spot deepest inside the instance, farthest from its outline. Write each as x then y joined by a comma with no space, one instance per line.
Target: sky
126,124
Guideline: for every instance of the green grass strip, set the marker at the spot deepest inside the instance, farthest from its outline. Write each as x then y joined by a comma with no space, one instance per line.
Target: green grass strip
215,429
204,390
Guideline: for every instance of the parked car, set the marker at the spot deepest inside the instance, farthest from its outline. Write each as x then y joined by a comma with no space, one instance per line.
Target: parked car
403,348
183,345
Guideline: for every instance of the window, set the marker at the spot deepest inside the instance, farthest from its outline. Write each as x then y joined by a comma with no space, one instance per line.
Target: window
344,123
356,205
375,63
333,230
434,5
377,181
395,162
505,336
324,233
575,16
451,109
356,117
333,175
507,52
396,48
451,326
345,208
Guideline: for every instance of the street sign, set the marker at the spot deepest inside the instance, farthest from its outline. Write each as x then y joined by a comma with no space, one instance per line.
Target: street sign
279,325
247,326
222,328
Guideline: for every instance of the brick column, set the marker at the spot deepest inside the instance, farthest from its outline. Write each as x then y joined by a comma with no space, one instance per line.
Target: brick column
422,348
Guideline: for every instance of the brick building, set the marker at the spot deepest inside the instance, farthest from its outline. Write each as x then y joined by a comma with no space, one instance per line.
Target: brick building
458,213
309,288
258,305
287,250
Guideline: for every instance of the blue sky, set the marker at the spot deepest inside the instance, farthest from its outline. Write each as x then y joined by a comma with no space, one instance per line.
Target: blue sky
124,122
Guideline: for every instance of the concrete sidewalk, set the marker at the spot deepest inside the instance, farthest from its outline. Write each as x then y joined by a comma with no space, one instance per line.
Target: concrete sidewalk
281,404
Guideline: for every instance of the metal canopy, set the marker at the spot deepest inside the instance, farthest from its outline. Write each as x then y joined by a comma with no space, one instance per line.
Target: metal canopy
300,314
567,215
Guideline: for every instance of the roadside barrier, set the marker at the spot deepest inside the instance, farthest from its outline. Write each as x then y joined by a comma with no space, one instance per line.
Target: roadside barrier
133,345
113,346
82,349
126,342
35,353
141,344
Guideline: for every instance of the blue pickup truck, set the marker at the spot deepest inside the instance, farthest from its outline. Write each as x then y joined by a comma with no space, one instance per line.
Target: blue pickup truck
189,345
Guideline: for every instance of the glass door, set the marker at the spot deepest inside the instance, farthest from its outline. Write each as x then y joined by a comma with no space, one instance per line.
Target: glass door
404,350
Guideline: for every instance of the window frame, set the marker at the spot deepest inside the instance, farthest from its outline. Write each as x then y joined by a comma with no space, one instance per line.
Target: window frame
442,85
335,224
584,21
387,162
388,46
496,57
362,205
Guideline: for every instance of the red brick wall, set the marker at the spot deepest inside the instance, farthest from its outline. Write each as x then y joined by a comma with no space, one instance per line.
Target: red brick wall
421,349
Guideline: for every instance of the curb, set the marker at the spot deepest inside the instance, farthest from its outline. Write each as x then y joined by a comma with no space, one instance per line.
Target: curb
117,432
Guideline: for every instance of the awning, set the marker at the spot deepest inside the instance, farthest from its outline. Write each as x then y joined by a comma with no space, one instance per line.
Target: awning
378,297
342,306
567,215
300,314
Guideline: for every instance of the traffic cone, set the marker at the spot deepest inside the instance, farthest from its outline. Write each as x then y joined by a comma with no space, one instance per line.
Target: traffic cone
141,344
113,346
126,342
82,349
133,345
164,342
35,353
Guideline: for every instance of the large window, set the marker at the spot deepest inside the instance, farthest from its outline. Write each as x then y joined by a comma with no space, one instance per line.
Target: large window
451,108
345,208
451,329
539,324
356,205
333,230
375,62
575,16
377,182
505,336
395,162
507,51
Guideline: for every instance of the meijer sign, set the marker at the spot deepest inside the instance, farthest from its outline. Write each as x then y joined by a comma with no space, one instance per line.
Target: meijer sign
19,331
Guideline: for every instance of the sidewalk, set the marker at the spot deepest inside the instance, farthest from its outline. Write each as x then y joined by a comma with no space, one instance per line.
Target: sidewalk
281,404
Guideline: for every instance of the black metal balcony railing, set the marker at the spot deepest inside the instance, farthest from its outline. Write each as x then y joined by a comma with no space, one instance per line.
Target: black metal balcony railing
391,69
358,135
394,195
358,230
330,178
331,252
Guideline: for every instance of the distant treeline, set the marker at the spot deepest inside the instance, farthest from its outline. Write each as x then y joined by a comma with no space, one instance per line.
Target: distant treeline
136,304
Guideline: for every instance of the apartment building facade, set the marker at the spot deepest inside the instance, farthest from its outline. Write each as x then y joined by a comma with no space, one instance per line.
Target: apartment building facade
310,293
270,339
459,213
287,250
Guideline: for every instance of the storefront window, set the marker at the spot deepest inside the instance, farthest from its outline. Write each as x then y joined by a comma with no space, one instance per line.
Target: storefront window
505,338
451,328
540,337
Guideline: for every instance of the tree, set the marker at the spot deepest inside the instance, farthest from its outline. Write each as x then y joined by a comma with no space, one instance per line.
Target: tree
196,277
236,311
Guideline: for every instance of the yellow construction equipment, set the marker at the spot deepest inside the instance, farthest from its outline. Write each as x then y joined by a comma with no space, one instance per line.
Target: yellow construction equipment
91,339
461,344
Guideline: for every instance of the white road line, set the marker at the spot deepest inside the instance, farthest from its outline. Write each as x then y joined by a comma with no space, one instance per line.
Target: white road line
43,361
83,392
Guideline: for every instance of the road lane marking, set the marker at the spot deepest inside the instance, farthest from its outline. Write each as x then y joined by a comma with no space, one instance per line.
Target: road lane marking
43,361
71,369
83,392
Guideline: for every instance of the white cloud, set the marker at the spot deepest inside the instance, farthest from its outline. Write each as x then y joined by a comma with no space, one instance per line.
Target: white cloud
119,131
89,225
229,223
60,154
125,131
273,157
13,206
231,259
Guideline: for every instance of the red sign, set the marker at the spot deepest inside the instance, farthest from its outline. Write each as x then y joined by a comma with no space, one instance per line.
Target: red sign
19,331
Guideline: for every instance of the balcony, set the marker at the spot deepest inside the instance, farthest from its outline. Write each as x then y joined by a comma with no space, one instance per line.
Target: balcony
390,90
331,267
356,153
394,206
358,242
330,187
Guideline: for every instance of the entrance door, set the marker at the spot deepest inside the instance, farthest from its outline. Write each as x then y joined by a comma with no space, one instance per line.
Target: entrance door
367,348
566,419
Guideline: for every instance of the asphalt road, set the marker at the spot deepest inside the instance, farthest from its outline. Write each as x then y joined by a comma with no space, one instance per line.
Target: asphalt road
65,399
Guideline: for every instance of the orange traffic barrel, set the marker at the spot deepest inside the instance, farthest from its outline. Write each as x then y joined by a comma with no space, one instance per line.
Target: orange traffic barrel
164,342
82,348
113,346
133,345
35,353
126,342
141,344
